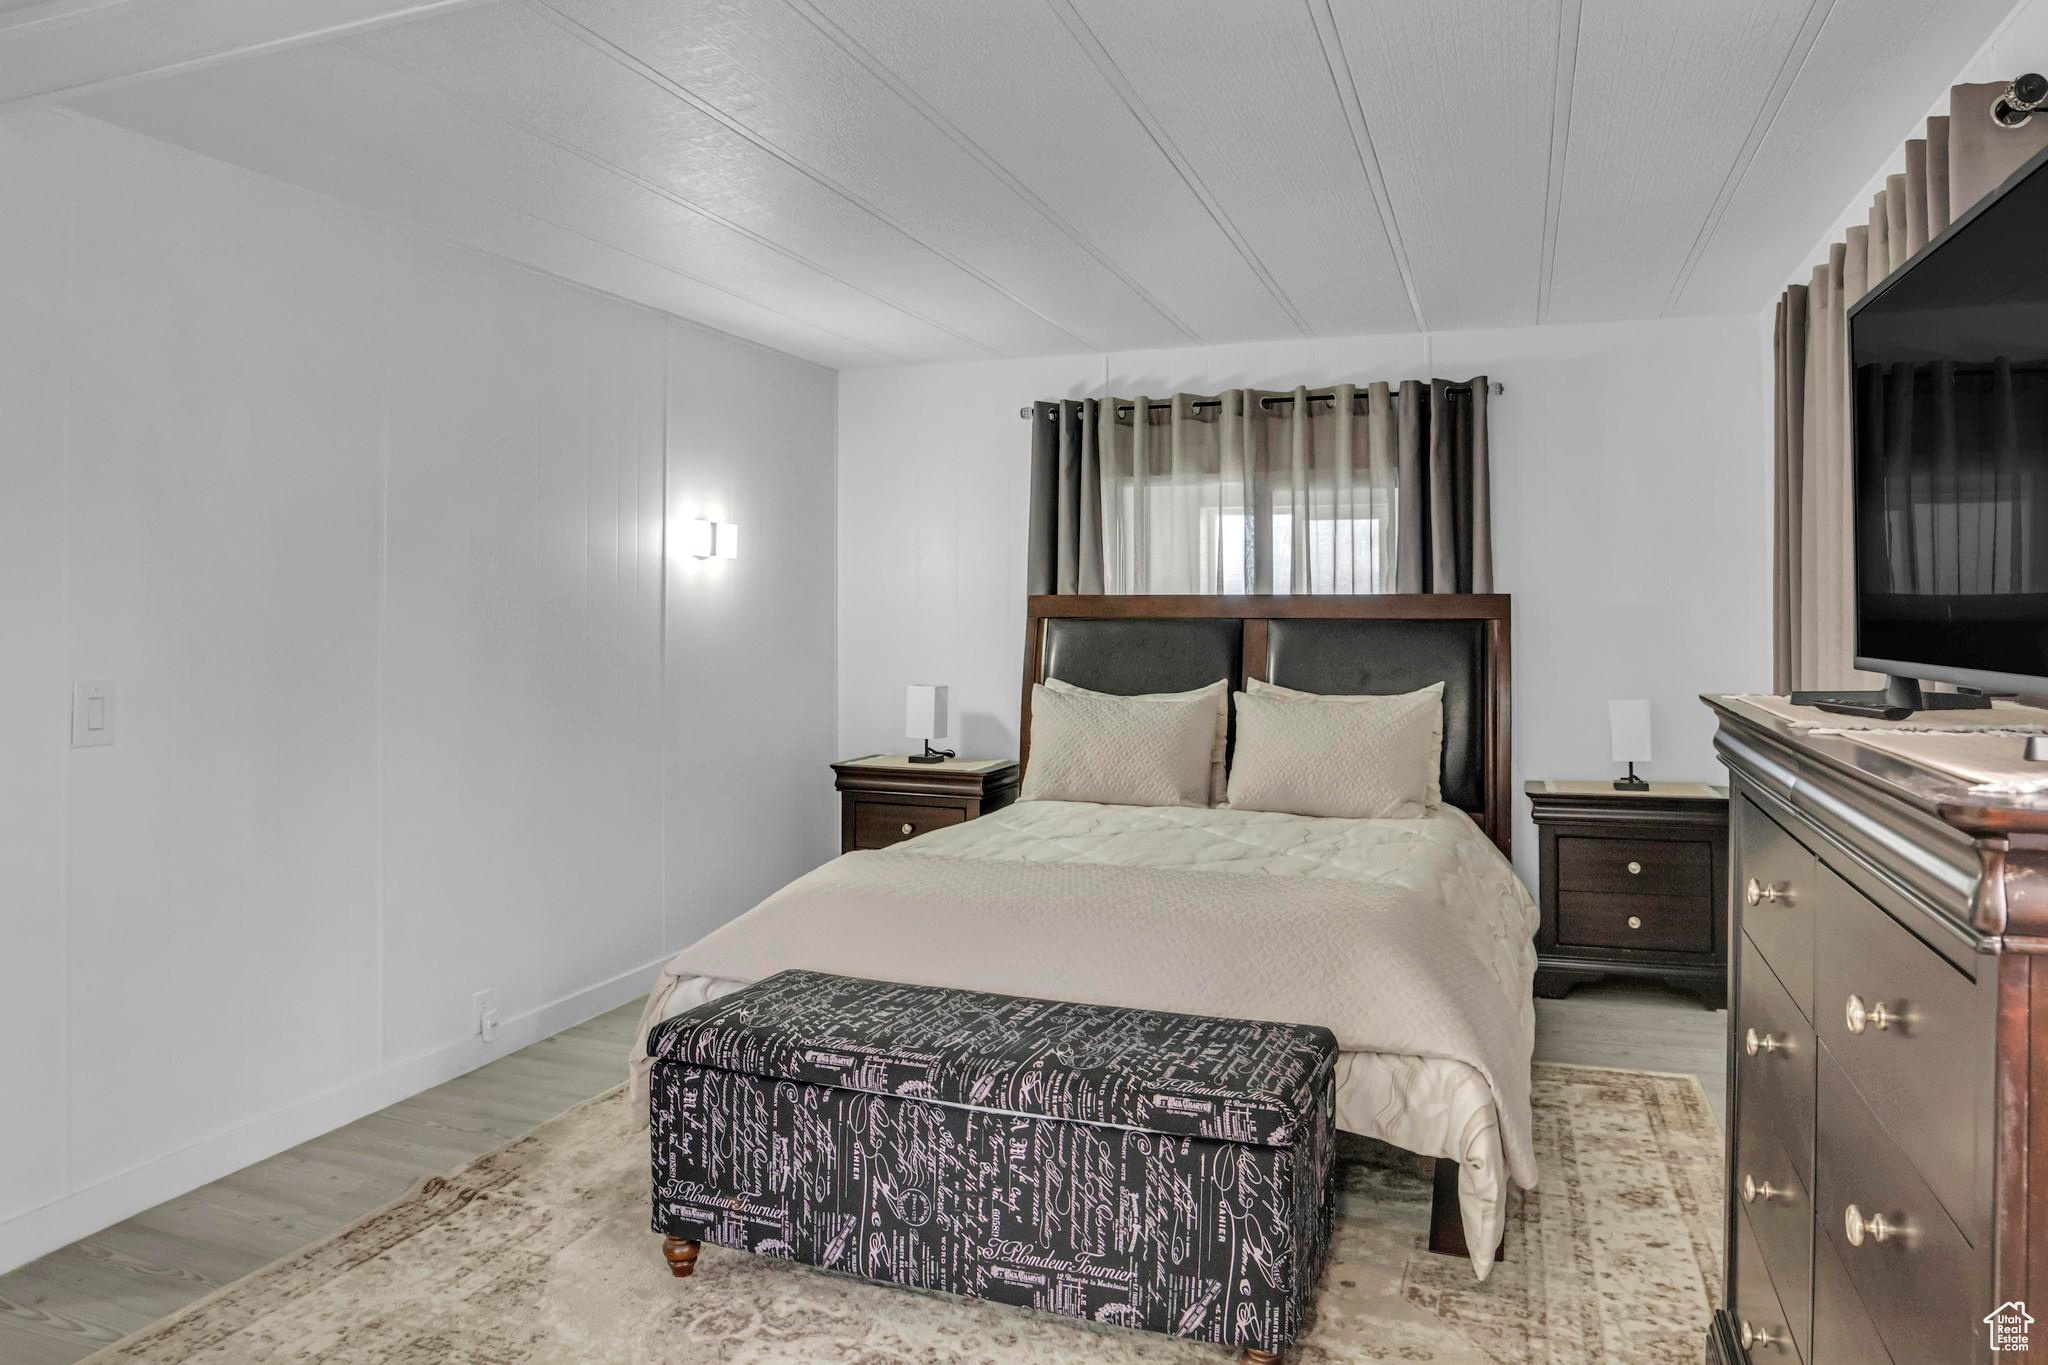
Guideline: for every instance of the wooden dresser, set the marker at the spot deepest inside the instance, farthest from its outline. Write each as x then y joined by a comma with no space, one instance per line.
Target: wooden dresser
1633,884
1887,1170
885,798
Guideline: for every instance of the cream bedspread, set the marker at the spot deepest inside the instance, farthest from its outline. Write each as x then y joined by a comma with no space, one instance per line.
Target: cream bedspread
1410,939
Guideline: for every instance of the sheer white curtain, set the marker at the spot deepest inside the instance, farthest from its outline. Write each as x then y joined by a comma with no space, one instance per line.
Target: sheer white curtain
1238,493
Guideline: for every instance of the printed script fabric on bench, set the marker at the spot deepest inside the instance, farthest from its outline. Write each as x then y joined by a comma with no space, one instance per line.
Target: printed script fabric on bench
1235,1079
902,1134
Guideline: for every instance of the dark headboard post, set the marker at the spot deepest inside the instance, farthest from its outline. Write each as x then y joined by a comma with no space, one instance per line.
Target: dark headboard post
1238,637
1500,749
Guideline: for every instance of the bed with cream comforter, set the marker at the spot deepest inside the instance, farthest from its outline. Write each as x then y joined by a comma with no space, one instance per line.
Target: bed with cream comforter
1409,939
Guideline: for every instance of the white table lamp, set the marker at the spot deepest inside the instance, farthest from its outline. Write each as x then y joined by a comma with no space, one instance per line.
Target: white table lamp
924,717
1629,723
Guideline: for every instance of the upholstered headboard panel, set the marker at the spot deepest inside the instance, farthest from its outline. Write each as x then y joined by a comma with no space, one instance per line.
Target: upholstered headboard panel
1137,656
1379,657
1132,657
1379,644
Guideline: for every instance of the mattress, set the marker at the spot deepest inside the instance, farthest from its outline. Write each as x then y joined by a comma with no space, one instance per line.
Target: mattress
1437,875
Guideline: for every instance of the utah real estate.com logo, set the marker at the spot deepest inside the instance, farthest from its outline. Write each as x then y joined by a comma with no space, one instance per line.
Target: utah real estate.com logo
2008,1323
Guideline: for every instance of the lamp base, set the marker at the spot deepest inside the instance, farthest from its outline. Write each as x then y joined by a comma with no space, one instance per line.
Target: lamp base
931,755
1631,783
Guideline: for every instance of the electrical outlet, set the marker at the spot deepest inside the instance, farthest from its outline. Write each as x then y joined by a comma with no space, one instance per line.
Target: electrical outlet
483,1016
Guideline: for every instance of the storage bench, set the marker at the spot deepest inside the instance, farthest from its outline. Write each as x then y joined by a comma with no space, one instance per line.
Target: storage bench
1167,1172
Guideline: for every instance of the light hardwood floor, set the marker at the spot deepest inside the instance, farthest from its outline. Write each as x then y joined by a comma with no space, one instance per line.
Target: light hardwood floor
72,1302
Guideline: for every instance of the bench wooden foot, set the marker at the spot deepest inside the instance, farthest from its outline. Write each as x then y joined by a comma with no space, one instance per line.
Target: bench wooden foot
1254,1356
681,1256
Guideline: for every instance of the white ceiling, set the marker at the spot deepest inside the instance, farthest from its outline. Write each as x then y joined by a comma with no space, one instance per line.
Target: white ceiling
865,182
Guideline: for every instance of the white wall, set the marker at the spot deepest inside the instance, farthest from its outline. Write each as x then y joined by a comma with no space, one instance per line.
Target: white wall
1631,467
367,529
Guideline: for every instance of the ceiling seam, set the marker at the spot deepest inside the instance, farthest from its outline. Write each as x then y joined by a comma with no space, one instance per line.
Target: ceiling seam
1125,91
1803,43
61,12
876,68
607,48
680,201
1346,83
1564,75
515,210
190,65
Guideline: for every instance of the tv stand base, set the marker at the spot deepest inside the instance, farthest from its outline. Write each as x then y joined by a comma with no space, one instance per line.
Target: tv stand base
1898,699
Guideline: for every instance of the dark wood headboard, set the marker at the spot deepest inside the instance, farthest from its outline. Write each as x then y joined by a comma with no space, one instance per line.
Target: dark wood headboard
1394,642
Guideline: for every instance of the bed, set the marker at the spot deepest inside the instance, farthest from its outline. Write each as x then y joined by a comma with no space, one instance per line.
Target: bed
1409,938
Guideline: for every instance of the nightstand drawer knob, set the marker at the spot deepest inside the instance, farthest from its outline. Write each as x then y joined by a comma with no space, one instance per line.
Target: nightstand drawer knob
1635,921
906,828
1635,870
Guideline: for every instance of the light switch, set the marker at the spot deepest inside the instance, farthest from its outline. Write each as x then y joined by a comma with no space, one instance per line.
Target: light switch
92,714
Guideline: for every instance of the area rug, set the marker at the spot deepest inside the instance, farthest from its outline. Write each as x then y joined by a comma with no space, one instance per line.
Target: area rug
539,1253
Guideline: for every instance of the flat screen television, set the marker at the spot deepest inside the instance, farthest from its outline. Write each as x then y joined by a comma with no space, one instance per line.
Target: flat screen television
1949,422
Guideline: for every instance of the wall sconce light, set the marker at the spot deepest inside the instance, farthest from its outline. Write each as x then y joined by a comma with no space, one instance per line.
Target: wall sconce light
712,539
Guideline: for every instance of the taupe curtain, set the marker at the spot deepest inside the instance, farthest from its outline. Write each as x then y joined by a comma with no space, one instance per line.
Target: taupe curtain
1355,489
1962,158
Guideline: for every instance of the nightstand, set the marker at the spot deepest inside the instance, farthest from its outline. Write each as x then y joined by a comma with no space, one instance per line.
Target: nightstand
1634,883
885,798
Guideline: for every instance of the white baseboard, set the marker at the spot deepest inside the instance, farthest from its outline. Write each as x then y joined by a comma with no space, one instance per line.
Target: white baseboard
83,1212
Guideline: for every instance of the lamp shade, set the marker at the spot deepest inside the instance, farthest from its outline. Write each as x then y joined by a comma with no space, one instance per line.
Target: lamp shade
1629,723
924,711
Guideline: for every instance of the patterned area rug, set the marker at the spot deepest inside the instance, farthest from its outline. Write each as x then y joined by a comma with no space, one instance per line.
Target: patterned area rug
539,1253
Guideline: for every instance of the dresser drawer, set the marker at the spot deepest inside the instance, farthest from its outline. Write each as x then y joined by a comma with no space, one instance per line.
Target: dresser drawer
1634,866
1842,1331
1666,923
1761,1322
1921,1282
1780,1216
1774,877
1915,1035
878,824
1774,1058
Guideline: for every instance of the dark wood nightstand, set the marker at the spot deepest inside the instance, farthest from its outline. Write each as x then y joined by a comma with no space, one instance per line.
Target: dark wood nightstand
885,798
1634,884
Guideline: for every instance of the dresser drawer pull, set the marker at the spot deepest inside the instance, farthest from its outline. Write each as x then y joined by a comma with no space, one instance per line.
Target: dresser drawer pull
1753,1337
1876,1227
1635,921
906,827
1752,1191
1756,893
1635,869
1754,1042
1858,1016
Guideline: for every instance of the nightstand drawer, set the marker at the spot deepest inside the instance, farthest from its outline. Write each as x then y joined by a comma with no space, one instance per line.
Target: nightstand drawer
878,824
1639,867
1671,923
887,798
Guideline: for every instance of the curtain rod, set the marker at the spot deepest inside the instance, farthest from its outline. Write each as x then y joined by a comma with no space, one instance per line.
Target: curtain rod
1496,388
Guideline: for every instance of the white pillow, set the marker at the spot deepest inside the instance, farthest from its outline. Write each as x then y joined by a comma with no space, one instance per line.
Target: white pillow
1362,758
1436,773
1219,776
1122,751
